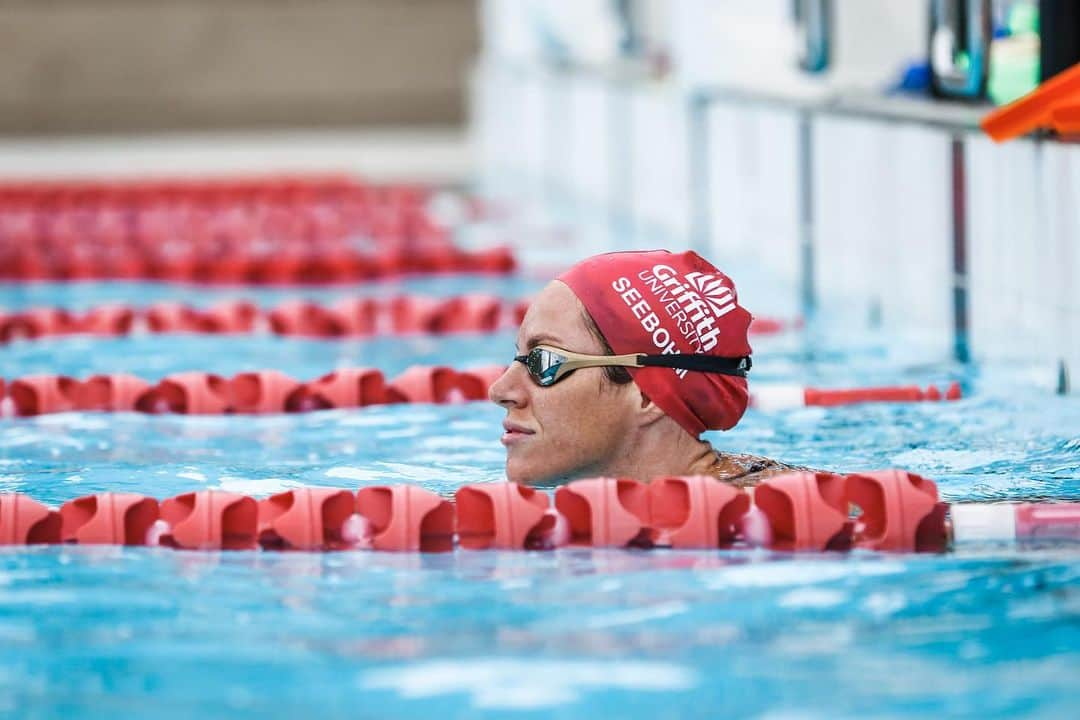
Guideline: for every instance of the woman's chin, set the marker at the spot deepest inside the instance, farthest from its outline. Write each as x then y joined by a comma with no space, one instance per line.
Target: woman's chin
523,472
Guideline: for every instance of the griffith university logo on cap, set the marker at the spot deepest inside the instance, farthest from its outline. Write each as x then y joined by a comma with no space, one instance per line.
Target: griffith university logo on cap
714,292
694,301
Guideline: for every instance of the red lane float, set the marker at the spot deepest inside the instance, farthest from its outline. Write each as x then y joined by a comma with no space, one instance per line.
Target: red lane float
407,518
806,511
900,511
784,397
894,511
303,318
264,391
422,384
209,520
502,516
36,323
606,512
312,518
107,320
24,521
41,394
345,388
108,519
358,316
117,392
188,393
695,512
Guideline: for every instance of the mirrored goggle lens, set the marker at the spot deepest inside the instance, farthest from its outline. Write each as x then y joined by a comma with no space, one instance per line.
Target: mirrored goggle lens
544,365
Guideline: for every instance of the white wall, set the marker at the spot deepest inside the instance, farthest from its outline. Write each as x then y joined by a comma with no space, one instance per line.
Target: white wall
1024,226
1005,232
882,225
659,172
754,190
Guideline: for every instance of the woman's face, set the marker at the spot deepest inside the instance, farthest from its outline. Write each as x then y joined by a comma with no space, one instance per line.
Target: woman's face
574,428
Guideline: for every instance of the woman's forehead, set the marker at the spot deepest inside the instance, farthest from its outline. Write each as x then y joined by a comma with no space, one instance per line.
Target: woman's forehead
555,315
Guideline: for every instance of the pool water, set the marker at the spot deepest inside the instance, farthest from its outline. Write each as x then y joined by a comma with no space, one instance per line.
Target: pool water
983,631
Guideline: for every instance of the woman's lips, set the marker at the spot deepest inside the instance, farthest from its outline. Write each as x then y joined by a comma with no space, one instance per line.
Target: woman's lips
514,433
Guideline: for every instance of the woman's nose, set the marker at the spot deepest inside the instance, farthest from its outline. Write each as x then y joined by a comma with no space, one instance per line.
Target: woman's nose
509,390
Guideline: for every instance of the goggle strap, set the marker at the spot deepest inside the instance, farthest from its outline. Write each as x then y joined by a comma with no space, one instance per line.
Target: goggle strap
736,367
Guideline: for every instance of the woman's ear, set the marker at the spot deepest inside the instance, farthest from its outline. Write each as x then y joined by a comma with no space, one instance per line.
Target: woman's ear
648,411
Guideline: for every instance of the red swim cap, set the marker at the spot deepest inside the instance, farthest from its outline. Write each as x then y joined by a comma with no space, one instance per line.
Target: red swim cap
659,302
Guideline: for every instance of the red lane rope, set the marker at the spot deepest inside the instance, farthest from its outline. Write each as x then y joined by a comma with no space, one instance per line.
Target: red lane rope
261,230
271,391
897,511
263,391
348,317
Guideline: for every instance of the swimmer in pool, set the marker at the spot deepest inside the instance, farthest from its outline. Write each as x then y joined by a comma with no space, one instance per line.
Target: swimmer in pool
621,364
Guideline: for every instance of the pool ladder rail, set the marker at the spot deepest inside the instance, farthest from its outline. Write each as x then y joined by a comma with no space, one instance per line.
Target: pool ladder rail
890,510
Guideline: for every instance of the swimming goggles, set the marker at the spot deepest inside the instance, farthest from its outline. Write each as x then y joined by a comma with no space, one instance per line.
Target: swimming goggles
548,365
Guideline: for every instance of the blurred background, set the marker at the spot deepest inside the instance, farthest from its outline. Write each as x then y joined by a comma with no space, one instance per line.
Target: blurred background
121,66
831,146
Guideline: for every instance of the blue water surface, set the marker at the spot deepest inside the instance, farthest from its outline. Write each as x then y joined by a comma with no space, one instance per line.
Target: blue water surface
983,631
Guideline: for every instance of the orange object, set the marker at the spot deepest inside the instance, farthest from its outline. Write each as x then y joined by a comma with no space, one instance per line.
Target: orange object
1066,119
115,392
108,519
190,393
210,520
606,512
310,518
500,516
407,518
807,511
1036,109
265,391
25,521
695,511
427,384
898,511
38,394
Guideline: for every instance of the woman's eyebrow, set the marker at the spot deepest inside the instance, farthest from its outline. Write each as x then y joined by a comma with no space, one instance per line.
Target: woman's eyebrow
541,339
